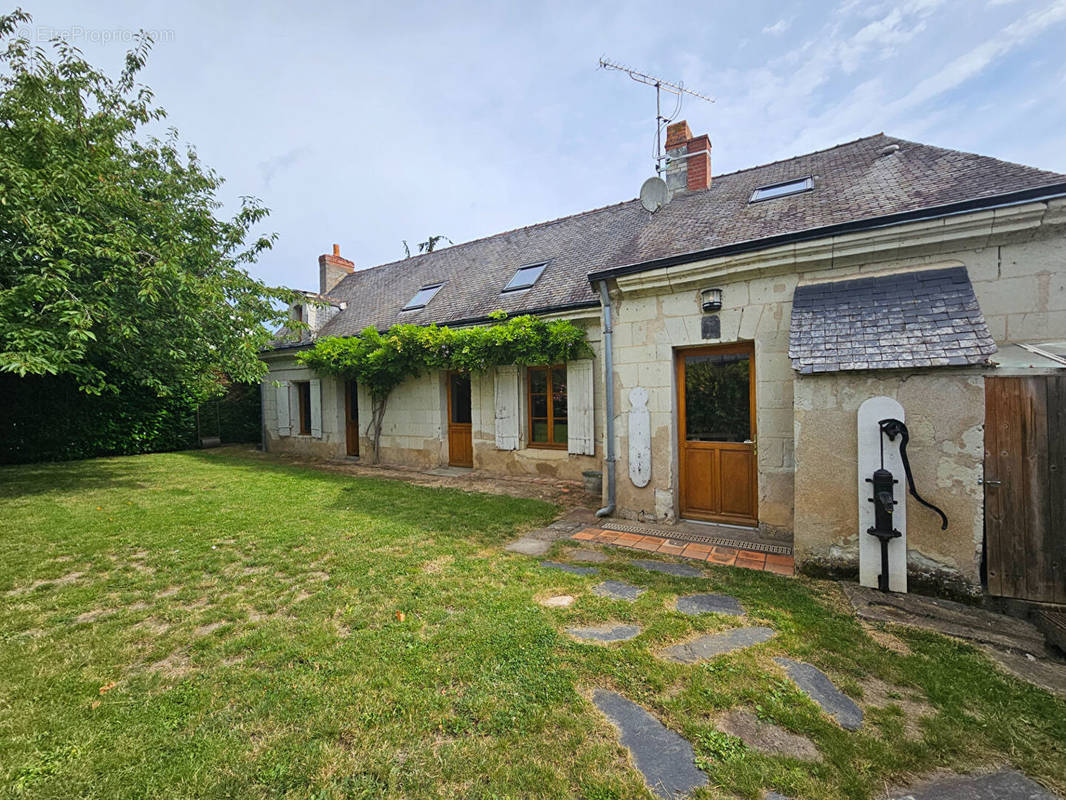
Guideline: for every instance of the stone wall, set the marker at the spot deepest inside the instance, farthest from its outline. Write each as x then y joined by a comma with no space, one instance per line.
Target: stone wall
414,431
648,330
945,416
332,442
1019,278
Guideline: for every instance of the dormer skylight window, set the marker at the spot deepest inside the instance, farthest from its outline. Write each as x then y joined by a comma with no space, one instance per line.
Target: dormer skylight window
782,189
525,277
422,297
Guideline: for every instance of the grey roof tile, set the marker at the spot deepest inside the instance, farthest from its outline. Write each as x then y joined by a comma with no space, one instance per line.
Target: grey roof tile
892,333
852,181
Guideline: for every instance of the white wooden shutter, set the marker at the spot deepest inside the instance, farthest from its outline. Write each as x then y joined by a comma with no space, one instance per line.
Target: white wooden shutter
507,422
316,408
580,431
284,422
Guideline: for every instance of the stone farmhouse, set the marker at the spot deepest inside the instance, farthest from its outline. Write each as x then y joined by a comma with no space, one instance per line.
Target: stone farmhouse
736,331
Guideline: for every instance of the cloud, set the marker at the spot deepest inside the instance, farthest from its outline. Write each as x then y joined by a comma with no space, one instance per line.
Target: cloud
273,166
778,27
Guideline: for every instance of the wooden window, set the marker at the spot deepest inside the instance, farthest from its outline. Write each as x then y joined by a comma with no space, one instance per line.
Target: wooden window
547,406
303,395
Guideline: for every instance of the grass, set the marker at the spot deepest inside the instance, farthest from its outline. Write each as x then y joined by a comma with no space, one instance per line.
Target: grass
213,625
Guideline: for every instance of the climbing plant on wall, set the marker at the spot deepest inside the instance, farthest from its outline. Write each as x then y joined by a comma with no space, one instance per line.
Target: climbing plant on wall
382,361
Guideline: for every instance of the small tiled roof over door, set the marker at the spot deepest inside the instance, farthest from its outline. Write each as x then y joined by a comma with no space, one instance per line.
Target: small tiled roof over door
927,318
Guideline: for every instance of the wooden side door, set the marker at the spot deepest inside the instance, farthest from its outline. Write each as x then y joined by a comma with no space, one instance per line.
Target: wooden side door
460,433
716,426
351,417
1025,487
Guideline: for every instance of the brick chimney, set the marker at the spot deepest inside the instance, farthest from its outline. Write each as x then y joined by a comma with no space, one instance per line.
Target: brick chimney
688,159
332,269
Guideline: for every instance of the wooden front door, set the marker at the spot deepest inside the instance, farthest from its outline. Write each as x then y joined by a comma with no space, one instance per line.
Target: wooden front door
460,437
351,417
716,426
1025,487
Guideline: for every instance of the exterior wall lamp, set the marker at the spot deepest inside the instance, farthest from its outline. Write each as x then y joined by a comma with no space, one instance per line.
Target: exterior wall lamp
711,299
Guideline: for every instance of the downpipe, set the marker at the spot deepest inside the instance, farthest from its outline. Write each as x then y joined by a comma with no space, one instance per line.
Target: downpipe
608,350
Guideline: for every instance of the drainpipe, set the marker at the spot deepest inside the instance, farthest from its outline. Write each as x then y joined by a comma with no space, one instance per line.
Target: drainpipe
608,351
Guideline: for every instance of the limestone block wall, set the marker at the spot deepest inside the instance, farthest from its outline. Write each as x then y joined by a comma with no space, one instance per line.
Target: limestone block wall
332,442
945,416
413,431
1019,278
528,460
648,330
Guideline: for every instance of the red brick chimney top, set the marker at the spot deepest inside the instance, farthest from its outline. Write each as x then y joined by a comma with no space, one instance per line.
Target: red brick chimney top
688,166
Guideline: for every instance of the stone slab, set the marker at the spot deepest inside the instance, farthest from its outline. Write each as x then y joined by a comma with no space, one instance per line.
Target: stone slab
947,617
574,570
529,546
605,633
709,604
1043,672
558,601
822,691
677,570
767,738
618,590
1004,785
662,756
587,556
715,644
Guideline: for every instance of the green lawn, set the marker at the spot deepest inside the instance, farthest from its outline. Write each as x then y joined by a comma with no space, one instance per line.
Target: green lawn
214,625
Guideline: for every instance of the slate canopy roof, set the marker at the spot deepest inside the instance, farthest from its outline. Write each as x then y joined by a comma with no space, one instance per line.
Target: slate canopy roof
859,180
928,318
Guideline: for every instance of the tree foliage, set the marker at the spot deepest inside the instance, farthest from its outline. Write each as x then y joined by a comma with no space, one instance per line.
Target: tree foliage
381,362
427,246
114,268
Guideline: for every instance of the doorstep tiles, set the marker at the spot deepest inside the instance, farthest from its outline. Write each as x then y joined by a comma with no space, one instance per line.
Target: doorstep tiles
716,554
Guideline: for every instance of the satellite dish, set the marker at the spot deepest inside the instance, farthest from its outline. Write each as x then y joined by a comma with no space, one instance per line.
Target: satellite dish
653,194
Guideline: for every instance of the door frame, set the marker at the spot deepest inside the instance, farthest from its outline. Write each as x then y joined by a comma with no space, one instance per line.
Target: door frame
351,400
467,427
680,354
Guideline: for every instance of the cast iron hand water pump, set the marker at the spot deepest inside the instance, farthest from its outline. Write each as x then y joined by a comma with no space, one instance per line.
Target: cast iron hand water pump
883,495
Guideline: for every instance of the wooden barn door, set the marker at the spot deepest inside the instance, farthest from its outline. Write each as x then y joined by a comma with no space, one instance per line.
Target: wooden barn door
716,425
1025,487
460,434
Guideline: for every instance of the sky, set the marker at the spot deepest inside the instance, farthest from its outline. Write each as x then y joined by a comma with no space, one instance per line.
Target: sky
365,124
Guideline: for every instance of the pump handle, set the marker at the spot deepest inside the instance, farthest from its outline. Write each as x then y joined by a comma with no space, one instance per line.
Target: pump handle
893,428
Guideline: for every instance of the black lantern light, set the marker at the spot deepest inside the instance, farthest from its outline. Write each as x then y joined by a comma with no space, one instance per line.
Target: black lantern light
711,299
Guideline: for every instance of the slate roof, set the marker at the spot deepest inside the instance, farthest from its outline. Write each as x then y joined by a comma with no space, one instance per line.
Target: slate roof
913,319
852,181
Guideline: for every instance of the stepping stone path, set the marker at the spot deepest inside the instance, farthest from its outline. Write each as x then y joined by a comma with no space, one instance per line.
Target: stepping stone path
1004,785
822,691
558,601
677,570
767,738
715,644
588,556
710,604
529,546
618,590
663,757
569,568
605,633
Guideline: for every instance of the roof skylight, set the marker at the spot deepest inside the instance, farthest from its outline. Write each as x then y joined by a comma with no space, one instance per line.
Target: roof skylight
422,297
525,277
782,189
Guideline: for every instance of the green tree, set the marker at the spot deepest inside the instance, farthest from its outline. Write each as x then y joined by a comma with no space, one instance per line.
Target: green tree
114,268
427,246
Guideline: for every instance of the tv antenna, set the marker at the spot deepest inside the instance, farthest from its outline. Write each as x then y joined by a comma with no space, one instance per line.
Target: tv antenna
677,89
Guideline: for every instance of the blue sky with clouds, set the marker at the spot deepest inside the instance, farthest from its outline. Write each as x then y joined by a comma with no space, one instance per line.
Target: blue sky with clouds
369,123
